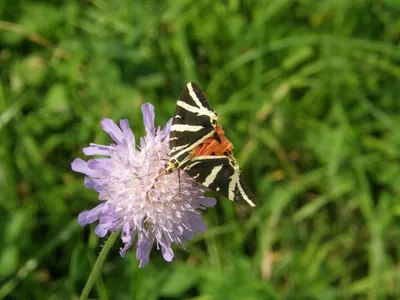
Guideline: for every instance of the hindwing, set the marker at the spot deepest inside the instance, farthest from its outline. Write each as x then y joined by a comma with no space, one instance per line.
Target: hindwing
221,174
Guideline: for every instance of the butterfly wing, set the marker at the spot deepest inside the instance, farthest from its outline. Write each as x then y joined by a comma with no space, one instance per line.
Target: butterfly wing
194,122
221,174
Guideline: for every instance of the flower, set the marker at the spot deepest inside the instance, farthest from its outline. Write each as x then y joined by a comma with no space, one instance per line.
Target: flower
137,200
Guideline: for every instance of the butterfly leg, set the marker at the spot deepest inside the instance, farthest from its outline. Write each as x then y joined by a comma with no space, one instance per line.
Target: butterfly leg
179,181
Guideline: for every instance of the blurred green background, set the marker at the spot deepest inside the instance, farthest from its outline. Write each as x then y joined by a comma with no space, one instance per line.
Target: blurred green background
308,92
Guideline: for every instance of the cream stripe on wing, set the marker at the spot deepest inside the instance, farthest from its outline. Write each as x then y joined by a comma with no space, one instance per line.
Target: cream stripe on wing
244,194
208,157
177,148
193,95
199,111
188,107
234,181
211,177
192,165
192,146
185,127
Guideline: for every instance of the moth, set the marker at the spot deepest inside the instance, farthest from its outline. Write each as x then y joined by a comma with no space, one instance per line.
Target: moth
198,145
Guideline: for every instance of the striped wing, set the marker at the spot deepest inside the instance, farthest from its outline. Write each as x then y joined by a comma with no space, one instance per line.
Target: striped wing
194,121
221,174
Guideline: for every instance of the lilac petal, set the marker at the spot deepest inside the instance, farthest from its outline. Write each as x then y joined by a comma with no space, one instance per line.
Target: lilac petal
126,247
107,223
101,230
104,196
81,166
96,183
128,134
108,209
89,183
109,220
90,216
143,262
143,249
101,164
113,130
208,202
198,225
127,238
99,188
148,118
167,252
142,142
97,150
126,233
165,131
188,235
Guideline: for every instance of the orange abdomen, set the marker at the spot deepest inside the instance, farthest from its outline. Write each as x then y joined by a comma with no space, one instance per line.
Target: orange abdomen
217,145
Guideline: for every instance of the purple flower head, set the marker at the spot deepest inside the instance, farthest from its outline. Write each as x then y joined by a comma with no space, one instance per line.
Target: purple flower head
167,210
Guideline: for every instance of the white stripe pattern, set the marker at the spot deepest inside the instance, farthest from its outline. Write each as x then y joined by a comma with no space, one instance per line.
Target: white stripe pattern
234,180
194,145
211,177
199,111
192,165
179,147
185,127
193,95
208,157
244,194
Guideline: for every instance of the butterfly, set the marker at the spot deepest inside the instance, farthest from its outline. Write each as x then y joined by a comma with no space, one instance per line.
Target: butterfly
198,145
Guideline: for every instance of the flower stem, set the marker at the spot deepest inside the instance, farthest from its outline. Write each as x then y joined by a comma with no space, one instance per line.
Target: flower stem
98,265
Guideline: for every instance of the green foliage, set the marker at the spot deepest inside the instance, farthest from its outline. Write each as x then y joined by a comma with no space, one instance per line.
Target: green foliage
308,92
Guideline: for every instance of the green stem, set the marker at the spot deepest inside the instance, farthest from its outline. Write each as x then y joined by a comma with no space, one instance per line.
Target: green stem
98,265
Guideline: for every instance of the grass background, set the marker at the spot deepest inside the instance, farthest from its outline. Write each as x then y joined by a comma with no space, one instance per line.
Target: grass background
308,92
